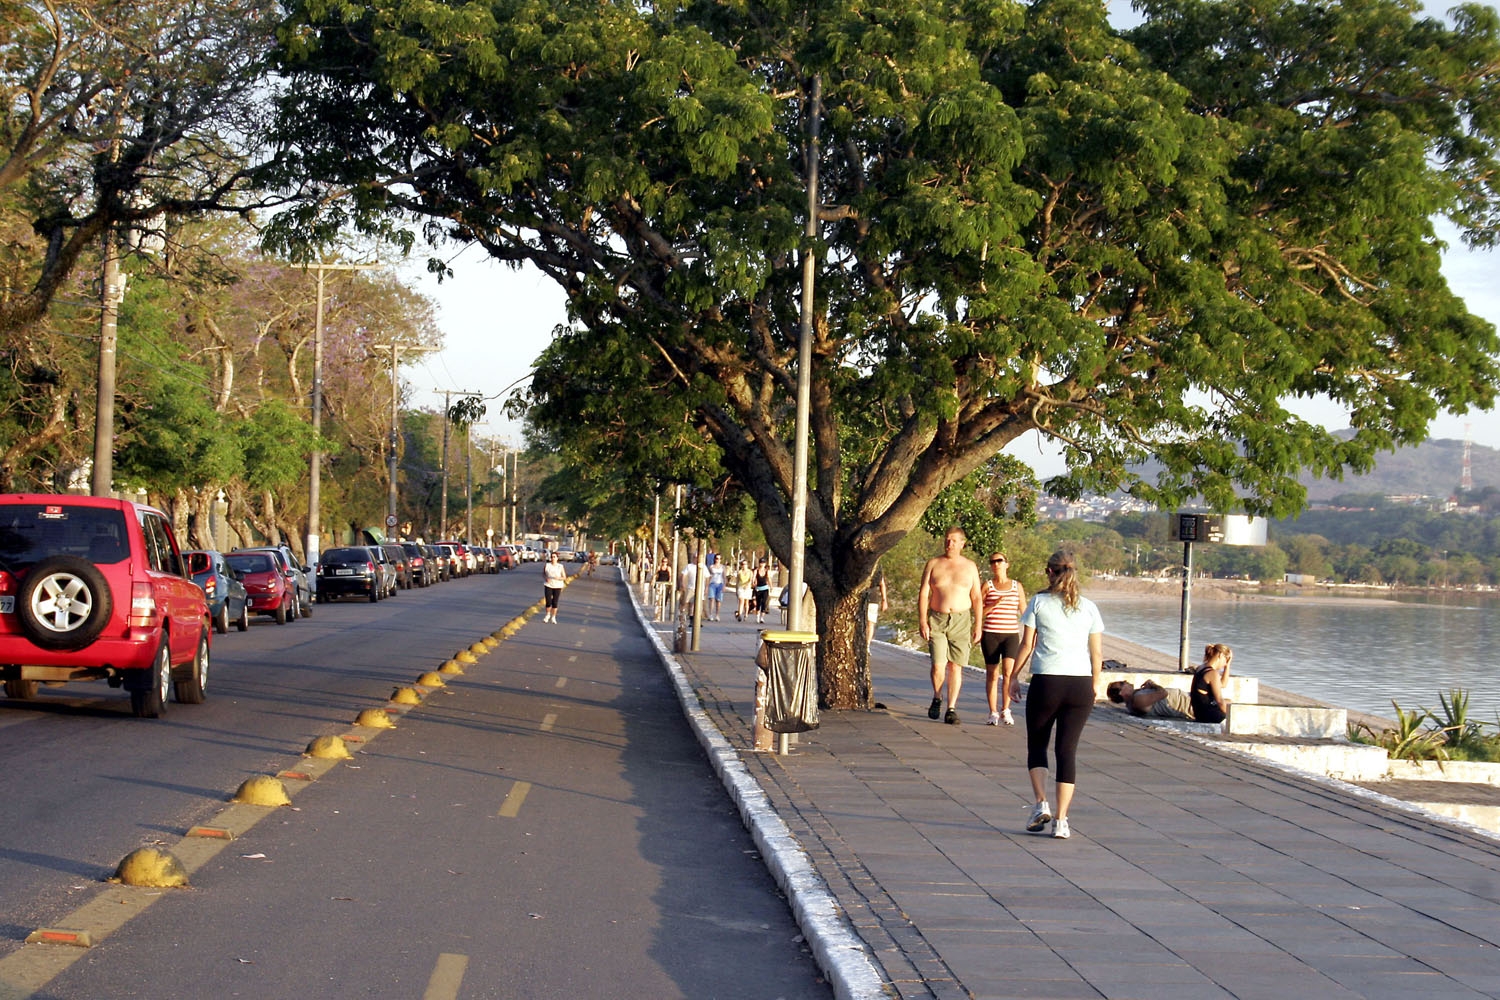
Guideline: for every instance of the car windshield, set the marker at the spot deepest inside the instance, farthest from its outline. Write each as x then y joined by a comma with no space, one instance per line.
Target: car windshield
346,555
250,562
32,532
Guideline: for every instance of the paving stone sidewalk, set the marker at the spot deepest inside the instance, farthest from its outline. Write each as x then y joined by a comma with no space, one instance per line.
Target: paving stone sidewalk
1192,872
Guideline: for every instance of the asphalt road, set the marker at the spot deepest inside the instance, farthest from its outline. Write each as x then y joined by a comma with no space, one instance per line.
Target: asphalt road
543,826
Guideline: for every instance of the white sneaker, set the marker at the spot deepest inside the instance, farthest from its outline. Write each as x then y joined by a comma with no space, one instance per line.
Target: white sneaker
1060,829
1007,718
993,720
1041,815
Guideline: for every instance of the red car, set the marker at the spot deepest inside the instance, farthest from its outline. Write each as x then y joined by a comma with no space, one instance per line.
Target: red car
93,588
268,588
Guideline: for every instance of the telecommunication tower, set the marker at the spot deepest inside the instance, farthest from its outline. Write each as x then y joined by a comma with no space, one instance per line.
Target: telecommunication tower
1466,483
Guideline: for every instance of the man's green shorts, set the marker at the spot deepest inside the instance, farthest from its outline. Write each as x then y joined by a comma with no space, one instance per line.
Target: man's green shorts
952,636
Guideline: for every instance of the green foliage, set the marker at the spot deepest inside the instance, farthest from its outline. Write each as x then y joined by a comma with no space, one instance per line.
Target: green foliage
1410,740
1459,731
276,442
1142,244
987,503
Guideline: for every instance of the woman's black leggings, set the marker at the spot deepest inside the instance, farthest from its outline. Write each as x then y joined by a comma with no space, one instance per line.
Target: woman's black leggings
549,596
1066,701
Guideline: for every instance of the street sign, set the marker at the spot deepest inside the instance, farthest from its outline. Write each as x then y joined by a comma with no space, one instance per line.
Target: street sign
390,520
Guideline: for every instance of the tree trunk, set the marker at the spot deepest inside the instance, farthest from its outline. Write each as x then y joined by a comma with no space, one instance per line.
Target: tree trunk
843,667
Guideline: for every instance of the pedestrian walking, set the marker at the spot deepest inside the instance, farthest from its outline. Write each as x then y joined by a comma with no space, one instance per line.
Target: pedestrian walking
1062,637
1000,639
663,587
554,579
947,603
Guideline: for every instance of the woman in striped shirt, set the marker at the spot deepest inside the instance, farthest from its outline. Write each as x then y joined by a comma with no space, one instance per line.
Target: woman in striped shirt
1001,639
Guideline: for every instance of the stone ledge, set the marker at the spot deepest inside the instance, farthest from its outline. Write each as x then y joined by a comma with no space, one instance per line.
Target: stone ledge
1247,719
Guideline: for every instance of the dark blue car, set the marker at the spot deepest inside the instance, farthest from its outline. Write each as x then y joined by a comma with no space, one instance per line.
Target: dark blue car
225,593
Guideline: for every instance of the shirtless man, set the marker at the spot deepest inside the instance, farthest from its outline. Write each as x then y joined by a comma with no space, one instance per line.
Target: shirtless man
945,608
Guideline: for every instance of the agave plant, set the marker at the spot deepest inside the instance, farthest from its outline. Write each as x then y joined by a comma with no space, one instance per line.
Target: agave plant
1459,731
1410,740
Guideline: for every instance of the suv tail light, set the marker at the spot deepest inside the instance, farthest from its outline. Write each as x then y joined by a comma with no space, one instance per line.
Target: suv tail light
7,582
142,605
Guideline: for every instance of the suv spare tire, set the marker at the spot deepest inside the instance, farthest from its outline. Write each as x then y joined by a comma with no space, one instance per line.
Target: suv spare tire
64,603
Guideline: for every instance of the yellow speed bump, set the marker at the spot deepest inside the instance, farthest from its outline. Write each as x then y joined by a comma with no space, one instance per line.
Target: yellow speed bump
262,790
479,649
489,642
406,696
464,656
147,866
451,667
374,718
432,679
328,748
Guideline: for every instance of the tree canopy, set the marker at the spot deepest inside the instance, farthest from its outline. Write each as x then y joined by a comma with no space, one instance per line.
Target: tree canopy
1142,243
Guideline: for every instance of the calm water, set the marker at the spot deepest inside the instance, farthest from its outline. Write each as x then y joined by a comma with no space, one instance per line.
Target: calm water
1357,654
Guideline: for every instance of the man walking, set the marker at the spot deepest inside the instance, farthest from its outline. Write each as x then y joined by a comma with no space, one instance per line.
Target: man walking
945,609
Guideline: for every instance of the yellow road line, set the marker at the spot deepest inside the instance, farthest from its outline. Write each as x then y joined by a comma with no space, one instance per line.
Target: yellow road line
547,721
513,799
562,682
447,977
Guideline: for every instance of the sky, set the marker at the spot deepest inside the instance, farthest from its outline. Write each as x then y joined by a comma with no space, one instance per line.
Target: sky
495,321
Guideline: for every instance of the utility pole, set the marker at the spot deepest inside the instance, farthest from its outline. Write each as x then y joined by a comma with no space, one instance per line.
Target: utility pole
315,462
804,369
392,514
515,476
447,395
102,481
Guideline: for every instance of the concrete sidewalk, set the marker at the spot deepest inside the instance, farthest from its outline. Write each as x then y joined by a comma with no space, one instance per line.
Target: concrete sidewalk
1192,872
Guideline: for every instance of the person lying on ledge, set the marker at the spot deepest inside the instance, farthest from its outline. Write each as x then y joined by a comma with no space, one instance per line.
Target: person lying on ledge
1151,699
1204,700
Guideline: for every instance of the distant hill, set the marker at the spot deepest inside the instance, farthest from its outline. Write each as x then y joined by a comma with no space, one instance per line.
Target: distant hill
1434,468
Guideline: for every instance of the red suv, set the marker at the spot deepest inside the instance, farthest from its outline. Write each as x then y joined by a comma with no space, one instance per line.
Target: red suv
93,588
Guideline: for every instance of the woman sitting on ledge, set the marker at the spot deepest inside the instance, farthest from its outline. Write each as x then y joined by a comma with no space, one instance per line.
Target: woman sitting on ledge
1204,700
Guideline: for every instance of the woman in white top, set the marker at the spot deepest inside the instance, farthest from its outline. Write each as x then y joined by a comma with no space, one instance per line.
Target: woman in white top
1000,641
1062,635
554,579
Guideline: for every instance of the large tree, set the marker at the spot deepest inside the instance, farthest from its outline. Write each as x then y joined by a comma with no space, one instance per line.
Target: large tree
1146,243
119,116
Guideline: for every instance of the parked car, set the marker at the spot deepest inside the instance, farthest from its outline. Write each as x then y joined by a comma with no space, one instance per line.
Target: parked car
227,600
302,576
352,569
397,555
437,562
388,585
94,588
270,588
416,558
457,565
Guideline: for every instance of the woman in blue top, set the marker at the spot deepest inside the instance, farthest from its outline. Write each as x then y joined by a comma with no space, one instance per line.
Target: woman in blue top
1062,636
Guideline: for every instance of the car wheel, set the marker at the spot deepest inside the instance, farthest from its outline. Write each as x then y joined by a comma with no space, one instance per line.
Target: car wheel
243,621
306,607
152,702
64,603
190,689
21,690
221,620
280,613
374,593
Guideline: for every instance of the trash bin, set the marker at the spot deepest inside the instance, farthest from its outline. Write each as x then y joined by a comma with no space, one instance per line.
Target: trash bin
789,665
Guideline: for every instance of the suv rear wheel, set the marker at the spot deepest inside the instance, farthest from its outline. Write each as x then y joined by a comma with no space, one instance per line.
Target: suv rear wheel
151,703
64,603
190,689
